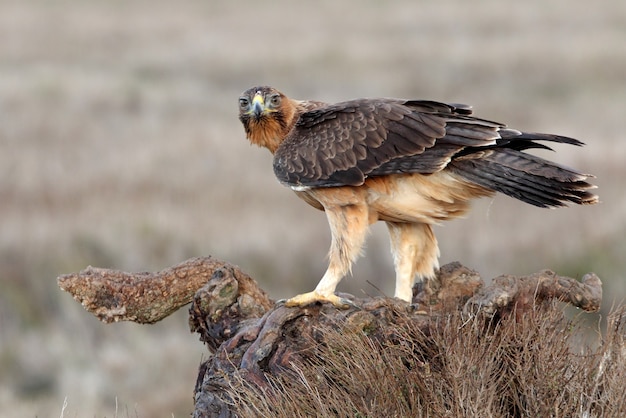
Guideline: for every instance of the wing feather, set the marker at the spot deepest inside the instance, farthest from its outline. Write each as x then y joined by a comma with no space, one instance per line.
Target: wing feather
343,144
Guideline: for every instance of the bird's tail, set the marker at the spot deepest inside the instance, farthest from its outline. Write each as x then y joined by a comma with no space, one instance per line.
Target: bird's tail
506,168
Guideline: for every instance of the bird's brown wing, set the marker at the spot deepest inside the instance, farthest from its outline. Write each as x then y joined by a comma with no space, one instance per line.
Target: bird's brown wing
342,144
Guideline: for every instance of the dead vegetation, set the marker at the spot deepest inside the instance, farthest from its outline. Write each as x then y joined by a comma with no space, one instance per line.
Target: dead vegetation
459,366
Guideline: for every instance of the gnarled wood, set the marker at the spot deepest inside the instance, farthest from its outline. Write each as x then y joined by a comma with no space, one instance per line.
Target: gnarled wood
271,345
146,298
253,339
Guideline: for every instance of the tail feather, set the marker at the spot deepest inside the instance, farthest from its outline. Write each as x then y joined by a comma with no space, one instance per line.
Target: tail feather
506,169
520,138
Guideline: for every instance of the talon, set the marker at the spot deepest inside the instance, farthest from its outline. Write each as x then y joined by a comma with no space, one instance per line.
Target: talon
346,303
414,308
312,297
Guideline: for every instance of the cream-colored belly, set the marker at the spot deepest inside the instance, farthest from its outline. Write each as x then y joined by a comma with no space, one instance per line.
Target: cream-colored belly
414,198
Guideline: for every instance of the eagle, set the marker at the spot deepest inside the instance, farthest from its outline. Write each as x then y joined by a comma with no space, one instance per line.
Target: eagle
409,163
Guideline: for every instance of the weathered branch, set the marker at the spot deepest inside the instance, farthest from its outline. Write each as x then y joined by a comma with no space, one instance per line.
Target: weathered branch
113,295
508,293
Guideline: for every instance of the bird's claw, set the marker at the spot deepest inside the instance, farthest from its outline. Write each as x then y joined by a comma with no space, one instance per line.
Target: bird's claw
347,303
416,308
312,297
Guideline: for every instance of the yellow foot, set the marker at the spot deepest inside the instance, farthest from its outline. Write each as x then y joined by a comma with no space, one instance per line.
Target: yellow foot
312,297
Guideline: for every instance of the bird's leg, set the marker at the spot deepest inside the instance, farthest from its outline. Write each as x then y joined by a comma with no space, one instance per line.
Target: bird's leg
415,255
348,227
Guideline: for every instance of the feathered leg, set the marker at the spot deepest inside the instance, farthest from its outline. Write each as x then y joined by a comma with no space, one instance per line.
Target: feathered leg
348,227
415,255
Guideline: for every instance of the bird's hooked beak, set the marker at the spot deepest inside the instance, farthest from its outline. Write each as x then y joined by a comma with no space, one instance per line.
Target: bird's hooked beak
258,105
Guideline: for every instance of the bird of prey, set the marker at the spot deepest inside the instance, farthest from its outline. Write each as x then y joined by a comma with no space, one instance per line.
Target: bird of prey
408,163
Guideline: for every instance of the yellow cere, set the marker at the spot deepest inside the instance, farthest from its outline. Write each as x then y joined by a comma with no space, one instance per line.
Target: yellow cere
258,98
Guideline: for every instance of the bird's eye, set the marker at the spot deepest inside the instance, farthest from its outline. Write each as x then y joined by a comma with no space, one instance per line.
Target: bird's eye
275,100
243,102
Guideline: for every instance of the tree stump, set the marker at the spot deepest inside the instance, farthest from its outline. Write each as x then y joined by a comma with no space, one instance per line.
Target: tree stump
261,351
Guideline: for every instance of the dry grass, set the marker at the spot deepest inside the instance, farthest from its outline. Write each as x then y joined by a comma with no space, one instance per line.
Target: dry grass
120,147
531,368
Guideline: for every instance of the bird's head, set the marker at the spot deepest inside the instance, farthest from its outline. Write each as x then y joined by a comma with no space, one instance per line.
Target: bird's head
267,116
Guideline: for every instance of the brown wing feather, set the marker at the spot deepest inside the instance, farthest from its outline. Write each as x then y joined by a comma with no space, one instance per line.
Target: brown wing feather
342,144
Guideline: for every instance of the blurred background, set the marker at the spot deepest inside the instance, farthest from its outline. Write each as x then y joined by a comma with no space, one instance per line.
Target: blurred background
120,147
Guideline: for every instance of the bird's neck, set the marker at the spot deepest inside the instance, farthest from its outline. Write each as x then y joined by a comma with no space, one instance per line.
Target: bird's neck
265,135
